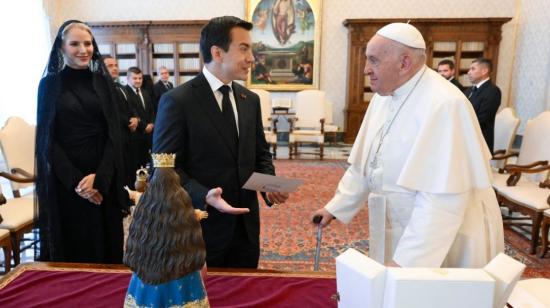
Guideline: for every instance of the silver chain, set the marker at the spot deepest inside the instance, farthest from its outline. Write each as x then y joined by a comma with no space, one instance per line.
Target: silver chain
374,162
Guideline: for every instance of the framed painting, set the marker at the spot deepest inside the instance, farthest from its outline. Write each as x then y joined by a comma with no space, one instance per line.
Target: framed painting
286,42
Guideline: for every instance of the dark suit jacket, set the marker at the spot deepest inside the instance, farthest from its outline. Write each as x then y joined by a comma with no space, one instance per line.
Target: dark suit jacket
126,109
146,114
486,101
190,124
160,89
457,84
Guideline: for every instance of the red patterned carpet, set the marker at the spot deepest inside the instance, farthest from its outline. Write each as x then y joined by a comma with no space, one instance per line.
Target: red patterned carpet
288,237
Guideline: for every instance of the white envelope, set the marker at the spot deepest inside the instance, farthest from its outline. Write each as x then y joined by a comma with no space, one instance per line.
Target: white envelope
270,183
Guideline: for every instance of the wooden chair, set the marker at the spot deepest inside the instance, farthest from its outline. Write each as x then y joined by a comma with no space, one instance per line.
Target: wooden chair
506,126
330,129
309,124
17,144
269,124
524,187
544,231
5,244
17,219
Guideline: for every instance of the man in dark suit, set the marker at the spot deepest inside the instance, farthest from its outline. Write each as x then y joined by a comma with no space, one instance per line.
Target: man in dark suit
446,68
214,126
140,99
163,84
485,97
127,116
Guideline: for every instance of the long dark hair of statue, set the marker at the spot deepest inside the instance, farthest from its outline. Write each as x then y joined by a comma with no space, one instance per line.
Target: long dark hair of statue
49,91
165,239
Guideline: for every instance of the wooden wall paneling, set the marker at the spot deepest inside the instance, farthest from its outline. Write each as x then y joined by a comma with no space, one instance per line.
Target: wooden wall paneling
145,34
470,32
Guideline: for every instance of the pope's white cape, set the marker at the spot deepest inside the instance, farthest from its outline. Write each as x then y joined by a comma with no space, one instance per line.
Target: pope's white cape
435,156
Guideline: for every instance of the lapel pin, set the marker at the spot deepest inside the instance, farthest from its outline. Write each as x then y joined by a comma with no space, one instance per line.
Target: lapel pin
243,96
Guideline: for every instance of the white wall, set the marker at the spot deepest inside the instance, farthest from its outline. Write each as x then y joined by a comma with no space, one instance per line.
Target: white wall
523,51
23,57
530,82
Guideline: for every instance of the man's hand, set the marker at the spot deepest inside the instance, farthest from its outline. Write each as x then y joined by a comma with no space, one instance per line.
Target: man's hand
214,198
277,197
149,128
132,124
326,217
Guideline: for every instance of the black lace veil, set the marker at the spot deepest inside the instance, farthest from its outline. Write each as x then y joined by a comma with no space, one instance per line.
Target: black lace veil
49,90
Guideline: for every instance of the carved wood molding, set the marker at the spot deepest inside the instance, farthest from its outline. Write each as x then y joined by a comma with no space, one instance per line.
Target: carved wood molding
144,34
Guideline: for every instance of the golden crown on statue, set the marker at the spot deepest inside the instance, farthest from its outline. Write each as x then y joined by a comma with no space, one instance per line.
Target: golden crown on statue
164,160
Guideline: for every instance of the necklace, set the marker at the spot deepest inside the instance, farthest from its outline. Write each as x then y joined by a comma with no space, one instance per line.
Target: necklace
374,163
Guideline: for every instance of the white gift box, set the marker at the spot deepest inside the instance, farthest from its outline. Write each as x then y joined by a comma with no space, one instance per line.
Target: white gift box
531,293
363,282
439,287
506,272
360,280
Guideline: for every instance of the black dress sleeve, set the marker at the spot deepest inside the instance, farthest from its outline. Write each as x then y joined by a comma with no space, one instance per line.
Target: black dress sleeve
63,169
104,173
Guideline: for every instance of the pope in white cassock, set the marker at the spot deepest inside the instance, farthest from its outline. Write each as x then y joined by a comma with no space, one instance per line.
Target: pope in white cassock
421,162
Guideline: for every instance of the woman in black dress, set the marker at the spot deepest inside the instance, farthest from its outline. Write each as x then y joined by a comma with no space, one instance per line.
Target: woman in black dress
79,167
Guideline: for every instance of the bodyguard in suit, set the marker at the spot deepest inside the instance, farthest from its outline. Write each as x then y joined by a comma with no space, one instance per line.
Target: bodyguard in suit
127,117
141,100
485,97
214,126
163,84
446,68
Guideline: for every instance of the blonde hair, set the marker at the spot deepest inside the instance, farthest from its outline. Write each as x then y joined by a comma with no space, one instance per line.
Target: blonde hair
77,25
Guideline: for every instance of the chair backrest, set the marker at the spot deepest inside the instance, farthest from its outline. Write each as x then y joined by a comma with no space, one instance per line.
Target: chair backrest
310,108
328,111
506,126
535,144
17,144
265,101
282,102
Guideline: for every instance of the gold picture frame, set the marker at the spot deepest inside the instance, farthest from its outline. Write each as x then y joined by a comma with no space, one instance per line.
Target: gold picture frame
286,42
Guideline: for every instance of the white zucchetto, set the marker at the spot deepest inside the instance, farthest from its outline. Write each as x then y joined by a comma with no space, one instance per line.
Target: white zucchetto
403,33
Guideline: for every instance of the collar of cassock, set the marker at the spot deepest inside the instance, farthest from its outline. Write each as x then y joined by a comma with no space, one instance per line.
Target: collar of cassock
404,89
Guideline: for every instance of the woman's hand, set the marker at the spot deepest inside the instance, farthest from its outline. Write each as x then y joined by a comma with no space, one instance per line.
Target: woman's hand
86,190
86,185
96,198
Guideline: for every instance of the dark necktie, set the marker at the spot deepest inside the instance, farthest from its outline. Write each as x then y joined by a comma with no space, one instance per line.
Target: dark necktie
472,91
227,110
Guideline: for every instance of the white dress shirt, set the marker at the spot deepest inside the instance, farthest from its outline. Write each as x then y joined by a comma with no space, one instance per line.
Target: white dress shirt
215,84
